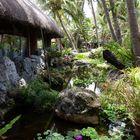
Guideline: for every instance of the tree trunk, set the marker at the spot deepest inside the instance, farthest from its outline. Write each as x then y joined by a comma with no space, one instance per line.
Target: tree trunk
95,22
116,23
134,30
109,20
83,3
69,37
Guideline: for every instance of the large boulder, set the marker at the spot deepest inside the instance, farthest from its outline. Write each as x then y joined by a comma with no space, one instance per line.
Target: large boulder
78,105
111,58
8,74
9,78
29,67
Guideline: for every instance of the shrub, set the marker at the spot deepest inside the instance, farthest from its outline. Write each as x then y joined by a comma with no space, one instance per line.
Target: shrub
124,92
96,71
124,54
38,95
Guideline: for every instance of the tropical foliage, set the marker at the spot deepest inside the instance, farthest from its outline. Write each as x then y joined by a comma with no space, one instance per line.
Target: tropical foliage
37,95
8,126
85,133
78,57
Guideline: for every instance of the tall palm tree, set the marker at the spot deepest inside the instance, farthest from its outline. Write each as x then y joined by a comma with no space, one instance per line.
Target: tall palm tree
65,30
109,20
56,7
74,10
95,21
134,30
116,23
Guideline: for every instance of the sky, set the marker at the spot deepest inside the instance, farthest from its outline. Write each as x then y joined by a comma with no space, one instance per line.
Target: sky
87,9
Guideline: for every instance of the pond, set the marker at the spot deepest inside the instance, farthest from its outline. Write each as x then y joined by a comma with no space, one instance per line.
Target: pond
30,124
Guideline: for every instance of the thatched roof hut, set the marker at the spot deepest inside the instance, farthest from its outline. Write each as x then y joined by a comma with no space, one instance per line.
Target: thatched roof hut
24,13
24,18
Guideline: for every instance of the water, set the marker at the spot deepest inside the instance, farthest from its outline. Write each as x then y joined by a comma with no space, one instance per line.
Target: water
30,124
94,88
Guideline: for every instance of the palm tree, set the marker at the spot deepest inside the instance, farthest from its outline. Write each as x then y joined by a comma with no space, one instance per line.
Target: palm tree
95,21
109,20
134,30
56,7
116,23
65,30
74,13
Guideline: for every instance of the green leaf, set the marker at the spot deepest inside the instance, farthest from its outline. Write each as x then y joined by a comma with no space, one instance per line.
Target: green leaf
9,125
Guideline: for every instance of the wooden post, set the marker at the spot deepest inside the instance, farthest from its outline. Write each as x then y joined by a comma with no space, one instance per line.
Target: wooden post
27,47
33,43
31,47
47,42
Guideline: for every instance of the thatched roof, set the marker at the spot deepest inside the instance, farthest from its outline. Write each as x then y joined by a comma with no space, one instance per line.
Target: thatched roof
25,12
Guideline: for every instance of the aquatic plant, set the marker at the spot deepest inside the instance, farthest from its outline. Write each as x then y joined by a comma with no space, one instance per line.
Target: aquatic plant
86,133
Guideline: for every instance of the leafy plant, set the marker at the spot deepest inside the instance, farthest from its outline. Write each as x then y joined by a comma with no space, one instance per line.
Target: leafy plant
113,103
134,75
89,133
134,98
113,112
87,75
9,125
96,71
53,52
124,54
124,92
66,51
38,95
48,135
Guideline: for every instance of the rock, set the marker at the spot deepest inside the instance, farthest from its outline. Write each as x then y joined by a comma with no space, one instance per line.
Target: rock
55,62
2,87
115,74
2,98
22,83
111,58
6,104
1,53
78,105
74,53
70,83
8,74
8,79
116,128
32,66
82,63
29,68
